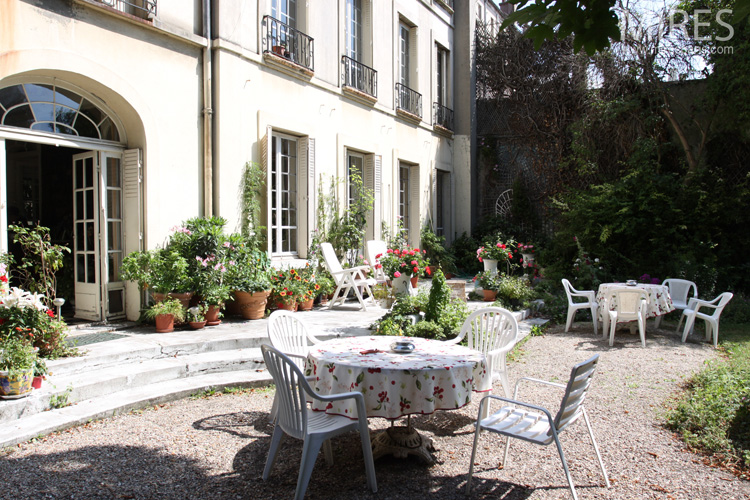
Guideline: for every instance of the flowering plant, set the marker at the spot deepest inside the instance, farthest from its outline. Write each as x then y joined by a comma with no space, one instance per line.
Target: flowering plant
495,251
407,262
294,285
488,280
248,269
24,315
211,286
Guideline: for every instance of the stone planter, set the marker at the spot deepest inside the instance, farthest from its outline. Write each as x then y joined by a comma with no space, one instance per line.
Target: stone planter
402,284
490,265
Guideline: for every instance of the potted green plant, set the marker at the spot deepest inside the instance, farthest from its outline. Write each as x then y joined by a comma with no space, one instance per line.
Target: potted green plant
165,313
40,373
196,316
326,286
489,282
164,271
435,251
384,295
16,366
247,277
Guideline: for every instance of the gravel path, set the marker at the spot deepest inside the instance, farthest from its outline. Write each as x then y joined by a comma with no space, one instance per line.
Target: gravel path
215,447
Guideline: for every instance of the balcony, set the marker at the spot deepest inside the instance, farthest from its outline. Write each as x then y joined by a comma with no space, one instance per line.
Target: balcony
142,9
360,79
288,45
408,102
442,116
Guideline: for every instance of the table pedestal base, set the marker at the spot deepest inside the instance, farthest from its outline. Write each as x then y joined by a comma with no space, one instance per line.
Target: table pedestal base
402,442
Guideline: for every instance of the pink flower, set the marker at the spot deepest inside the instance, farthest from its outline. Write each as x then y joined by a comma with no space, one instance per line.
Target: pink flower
397,274
414,263
416,269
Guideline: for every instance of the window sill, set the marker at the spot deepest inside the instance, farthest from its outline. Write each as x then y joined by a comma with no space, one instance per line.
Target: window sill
442,130
410,117
445,5
287,66
359,96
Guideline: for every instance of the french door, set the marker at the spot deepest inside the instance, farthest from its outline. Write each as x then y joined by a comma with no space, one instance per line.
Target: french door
97,235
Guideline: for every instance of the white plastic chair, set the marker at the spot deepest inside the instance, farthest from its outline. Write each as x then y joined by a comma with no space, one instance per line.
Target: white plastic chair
535,424
346,279
314,428
289,334
678,292
712,320
373,248
590,303
631,304
493,331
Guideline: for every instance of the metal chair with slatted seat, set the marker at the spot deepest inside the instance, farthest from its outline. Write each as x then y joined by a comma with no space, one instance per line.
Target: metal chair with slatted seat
535,424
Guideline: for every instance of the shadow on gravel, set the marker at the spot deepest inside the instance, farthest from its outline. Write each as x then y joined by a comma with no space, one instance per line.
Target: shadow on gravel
240,424
664,336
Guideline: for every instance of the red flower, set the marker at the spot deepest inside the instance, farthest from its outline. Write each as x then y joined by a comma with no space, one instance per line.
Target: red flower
4,278
414,263
50,313
416,269
429,273
389,251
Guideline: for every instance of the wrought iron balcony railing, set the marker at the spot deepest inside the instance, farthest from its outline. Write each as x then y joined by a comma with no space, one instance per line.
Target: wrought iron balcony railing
408,100
145,9
356,75
442,116
287,42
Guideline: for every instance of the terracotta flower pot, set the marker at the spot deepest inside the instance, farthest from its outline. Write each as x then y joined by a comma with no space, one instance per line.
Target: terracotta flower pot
414,281
251,305
184,298
36,383
306,305
489,295
164,323
197,325
212,315
292,306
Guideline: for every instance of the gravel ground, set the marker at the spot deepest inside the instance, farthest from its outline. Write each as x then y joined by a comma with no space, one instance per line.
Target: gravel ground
215,447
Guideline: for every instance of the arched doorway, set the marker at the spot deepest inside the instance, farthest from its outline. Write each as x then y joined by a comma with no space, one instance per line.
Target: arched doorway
63,165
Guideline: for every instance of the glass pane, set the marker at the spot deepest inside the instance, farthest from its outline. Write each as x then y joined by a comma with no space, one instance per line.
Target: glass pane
86,127
43,127
90,268
38,92
19,117
113,172
114,236
80,240
91,111
67,98
81,268
44,112
88,177
65,115
90,236
113,204
292,239
79,213
292,217
116,303
64,129
10,96
89,204
108,131
79,173
114,263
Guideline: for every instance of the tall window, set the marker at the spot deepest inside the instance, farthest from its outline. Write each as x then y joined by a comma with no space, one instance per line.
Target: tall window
403,54
354,30
283,179
285,11
442,76
403,196
354,167
442,202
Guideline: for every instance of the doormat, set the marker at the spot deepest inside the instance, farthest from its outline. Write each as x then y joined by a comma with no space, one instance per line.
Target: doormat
93,338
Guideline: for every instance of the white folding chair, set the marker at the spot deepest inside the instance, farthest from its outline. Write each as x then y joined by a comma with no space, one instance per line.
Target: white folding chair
573,306
535,424
289,334
631,304
712,320
679,290
374,248
346,279
314,428
493,331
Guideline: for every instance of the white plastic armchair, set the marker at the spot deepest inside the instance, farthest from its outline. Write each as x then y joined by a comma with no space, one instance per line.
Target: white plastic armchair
679,292
346,279
493,331
289,334
573,306
295,419
631,304
712,320
535,424
373,249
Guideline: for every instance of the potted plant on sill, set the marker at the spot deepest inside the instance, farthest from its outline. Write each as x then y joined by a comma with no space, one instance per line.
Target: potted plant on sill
165,313
16,367
196,316
248,277
40,373
489,282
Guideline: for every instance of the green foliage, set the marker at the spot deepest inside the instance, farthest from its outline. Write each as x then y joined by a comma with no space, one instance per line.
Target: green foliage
167,306
248,268
61,400
23,319
425,329
514,291
40,261
488,280
252,193
465,250
712,415
345,231
440,296
436,252
17,354
389,326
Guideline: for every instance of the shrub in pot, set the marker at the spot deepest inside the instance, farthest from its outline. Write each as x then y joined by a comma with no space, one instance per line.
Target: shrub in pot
165,313
248,277
17,359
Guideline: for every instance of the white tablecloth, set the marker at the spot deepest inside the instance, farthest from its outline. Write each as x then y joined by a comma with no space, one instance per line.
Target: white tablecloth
436,376
660,302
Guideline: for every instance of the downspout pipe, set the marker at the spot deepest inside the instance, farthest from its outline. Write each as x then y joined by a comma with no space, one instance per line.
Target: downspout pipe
208,168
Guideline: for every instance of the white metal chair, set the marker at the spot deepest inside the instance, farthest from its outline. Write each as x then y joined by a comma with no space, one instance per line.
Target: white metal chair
679,290
373,248
314,428
346,279
573,306
535,424
631,304
289,334
493,331
712,320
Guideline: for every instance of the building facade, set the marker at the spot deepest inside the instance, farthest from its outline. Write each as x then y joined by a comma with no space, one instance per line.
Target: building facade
120,119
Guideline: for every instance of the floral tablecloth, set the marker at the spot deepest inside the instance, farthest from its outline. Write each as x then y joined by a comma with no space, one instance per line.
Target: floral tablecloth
660,302
436,376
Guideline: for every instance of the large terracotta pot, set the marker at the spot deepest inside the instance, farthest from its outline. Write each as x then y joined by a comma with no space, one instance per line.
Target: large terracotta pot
251,305
489,295
212,315
184,298
414,281
292,306
164,323
16,382
306,305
